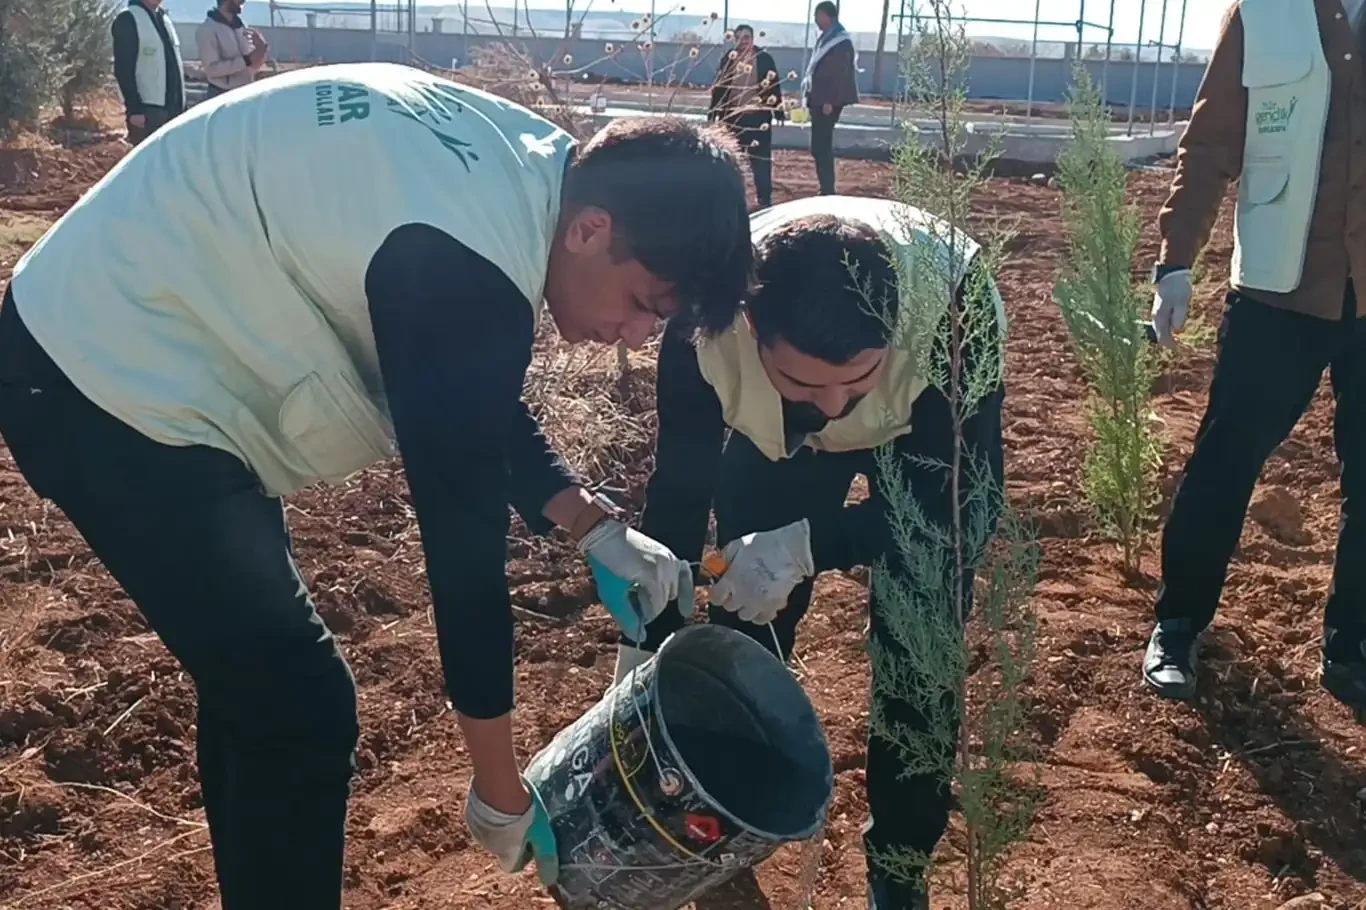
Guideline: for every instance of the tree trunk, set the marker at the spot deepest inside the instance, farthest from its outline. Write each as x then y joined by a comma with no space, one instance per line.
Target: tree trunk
881,43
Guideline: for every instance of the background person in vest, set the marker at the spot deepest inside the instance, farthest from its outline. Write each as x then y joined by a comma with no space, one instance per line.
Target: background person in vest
747,96
348,255
805,379
230,54
148,67
1283,107
829,86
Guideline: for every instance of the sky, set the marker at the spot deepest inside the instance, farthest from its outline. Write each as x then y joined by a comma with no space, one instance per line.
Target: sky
1202,18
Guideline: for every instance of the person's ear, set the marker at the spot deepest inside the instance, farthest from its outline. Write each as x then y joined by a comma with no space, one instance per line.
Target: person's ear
589,232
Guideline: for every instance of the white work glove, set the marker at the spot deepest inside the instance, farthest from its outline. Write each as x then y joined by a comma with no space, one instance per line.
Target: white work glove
1171,302
514,839
763,568
637,576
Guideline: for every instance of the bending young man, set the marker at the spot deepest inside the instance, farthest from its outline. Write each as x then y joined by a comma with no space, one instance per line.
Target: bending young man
809,384
343,255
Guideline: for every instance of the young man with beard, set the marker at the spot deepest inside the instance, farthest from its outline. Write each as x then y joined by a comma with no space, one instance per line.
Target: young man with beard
230,54
747,97
262,298
809,384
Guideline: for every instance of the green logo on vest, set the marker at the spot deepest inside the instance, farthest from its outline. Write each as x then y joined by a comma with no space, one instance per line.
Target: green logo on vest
1275,117
338,102
434,108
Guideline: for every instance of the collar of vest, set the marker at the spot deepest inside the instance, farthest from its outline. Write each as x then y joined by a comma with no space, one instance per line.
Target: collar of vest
750,404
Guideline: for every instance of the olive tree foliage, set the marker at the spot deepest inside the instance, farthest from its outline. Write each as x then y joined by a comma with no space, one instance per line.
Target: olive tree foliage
50,51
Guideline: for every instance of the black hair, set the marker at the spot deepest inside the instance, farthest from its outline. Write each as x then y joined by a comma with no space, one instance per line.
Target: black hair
829,8
743,28
677,200
827,286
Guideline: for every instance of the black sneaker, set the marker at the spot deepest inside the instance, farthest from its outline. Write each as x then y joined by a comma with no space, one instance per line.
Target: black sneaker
885,894
1344,672
1169,664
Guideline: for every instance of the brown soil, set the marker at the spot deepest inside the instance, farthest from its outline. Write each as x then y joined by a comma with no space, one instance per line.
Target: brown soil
1239,802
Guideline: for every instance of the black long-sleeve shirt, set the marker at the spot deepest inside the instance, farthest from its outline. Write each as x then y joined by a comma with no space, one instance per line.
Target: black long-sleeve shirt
688,461
454,338
767,101
126,50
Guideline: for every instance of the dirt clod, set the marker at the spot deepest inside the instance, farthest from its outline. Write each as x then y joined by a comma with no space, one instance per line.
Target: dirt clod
1278,511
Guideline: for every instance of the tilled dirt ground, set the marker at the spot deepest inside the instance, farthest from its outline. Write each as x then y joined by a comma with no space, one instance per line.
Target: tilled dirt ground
1240,801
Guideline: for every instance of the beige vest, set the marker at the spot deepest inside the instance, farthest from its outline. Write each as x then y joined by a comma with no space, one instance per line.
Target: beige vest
150,71
1288,84
210,289
730,361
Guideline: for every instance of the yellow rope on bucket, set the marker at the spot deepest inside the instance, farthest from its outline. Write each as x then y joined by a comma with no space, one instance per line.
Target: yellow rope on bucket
631,791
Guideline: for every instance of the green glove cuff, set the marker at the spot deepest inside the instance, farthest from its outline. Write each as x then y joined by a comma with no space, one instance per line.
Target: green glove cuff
540,841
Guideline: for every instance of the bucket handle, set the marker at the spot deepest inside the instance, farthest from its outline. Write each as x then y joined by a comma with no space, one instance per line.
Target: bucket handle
660,769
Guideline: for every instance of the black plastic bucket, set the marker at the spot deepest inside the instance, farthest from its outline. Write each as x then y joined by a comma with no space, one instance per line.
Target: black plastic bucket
701,763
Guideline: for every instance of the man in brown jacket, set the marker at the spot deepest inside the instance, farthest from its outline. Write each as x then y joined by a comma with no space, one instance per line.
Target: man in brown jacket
1282,109
830,85
230,54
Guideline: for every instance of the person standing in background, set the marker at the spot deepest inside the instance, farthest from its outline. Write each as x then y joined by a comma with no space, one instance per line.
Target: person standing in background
1282,109
746,97
148,67
230,54
829,86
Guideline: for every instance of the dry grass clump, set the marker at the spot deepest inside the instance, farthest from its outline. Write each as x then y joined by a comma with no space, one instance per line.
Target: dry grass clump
601,421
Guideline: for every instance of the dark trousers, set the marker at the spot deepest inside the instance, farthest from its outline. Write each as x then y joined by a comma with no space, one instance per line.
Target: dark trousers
156,118
756,494
206,557
1269,367
754,133
823,147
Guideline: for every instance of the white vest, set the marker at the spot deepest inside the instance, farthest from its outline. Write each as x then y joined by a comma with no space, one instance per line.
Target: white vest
150,71
210,289
730,361
1288,84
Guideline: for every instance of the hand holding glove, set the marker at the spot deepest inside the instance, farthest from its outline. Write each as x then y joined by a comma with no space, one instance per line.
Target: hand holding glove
764,567
514,839
637,576
1171,302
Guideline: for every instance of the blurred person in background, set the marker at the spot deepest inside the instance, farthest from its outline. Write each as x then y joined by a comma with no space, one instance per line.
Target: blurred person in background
148,67
829,86
1282,109
346,257
230,54
747,97
769,421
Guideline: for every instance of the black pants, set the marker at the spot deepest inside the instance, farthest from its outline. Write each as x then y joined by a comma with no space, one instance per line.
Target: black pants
754,133
156,118
823,147
1269,367
756,494
206,557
